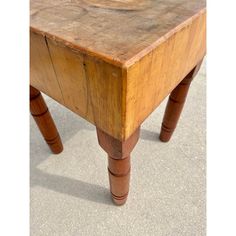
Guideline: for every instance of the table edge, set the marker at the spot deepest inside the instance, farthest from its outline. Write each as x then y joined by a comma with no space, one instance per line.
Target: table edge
116,61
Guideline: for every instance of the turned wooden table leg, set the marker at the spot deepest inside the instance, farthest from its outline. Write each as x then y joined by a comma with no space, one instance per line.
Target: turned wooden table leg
118,163
175,105
44,121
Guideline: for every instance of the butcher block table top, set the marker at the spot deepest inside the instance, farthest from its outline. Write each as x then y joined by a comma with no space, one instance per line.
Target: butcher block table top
114,61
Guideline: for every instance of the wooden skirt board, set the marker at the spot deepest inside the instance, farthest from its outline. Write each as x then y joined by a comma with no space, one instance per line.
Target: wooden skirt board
113,62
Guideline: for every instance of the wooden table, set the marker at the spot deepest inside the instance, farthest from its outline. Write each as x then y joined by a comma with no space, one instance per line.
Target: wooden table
113,62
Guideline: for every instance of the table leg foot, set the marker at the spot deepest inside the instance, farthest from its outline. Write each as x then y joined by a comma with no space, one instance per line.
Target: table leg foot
44,121
118,163
119,176
175,105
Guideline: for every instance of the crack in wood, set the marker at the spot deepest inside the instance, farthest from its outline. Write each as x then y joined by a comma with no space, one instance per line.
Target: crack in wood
50,56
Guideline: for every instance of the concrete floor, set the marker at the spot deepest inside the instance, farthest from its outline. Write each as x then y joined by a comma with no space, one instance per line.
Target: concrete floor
69,191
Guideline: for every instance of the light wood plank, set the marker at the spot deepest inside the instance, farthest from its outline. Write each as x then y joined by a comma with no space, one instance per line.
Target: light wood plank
90,88
151,79
42,75
71,75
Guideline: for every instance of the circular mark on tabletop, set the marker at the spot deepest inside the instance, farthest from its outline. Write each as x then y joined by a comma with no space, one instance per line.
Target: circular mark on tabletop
59,13
128,5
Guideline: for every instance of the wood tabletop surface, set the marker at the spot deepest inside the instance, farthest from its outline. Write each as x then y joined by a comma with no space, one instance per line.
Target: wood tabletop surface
114,61
118,31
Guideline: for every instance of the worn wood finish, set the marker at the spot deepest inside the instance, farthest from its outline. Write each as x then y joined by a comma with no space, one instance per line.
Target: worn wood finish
117,31
113,62
118,163
44,121
42,74
175,105
151,80
91,88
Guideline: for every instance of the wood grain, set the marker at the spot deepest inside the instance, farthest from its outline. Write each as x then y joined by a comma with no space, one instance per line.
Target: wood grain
151,79
119,32
114,85
42,74
90,88
44,121
71,76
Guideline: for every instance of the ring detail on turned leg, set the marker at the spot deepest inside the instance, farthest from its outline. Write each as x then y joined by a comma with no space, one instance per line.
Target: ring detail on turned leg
175,105
44,121
119,176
